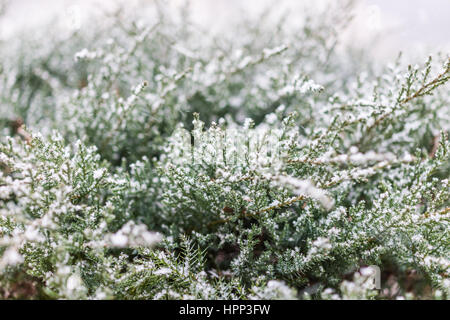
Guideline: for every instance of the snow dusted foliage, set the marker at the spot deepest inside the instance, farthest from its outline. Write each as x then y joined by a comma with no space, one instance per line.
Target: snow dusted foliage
145,158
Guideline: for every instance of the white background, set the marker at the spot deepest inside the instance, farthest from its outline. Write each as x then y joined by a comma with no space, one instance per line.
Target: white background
407,25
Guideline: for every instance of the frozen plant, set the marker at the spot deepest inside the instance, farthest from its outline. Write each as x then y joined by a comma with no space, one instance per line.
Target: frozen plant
145,158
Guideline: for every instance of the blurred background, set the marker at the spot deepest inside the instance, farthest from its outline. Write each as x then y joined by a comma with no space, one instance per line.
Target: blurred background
387,26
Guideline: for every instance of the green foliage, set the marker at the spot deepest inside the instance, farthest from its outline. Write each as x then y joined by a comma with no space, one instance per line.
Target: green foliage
263,166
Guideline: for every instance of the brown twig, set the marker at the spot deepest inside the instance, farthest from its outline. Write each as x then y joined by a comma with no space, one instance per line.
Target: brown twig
18,128
254,214
422,91
435,146
442,212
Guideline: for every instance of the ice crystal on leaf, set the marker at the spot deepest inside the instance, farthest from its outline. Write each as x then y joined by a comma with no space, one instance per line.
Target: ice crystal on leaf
159,161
